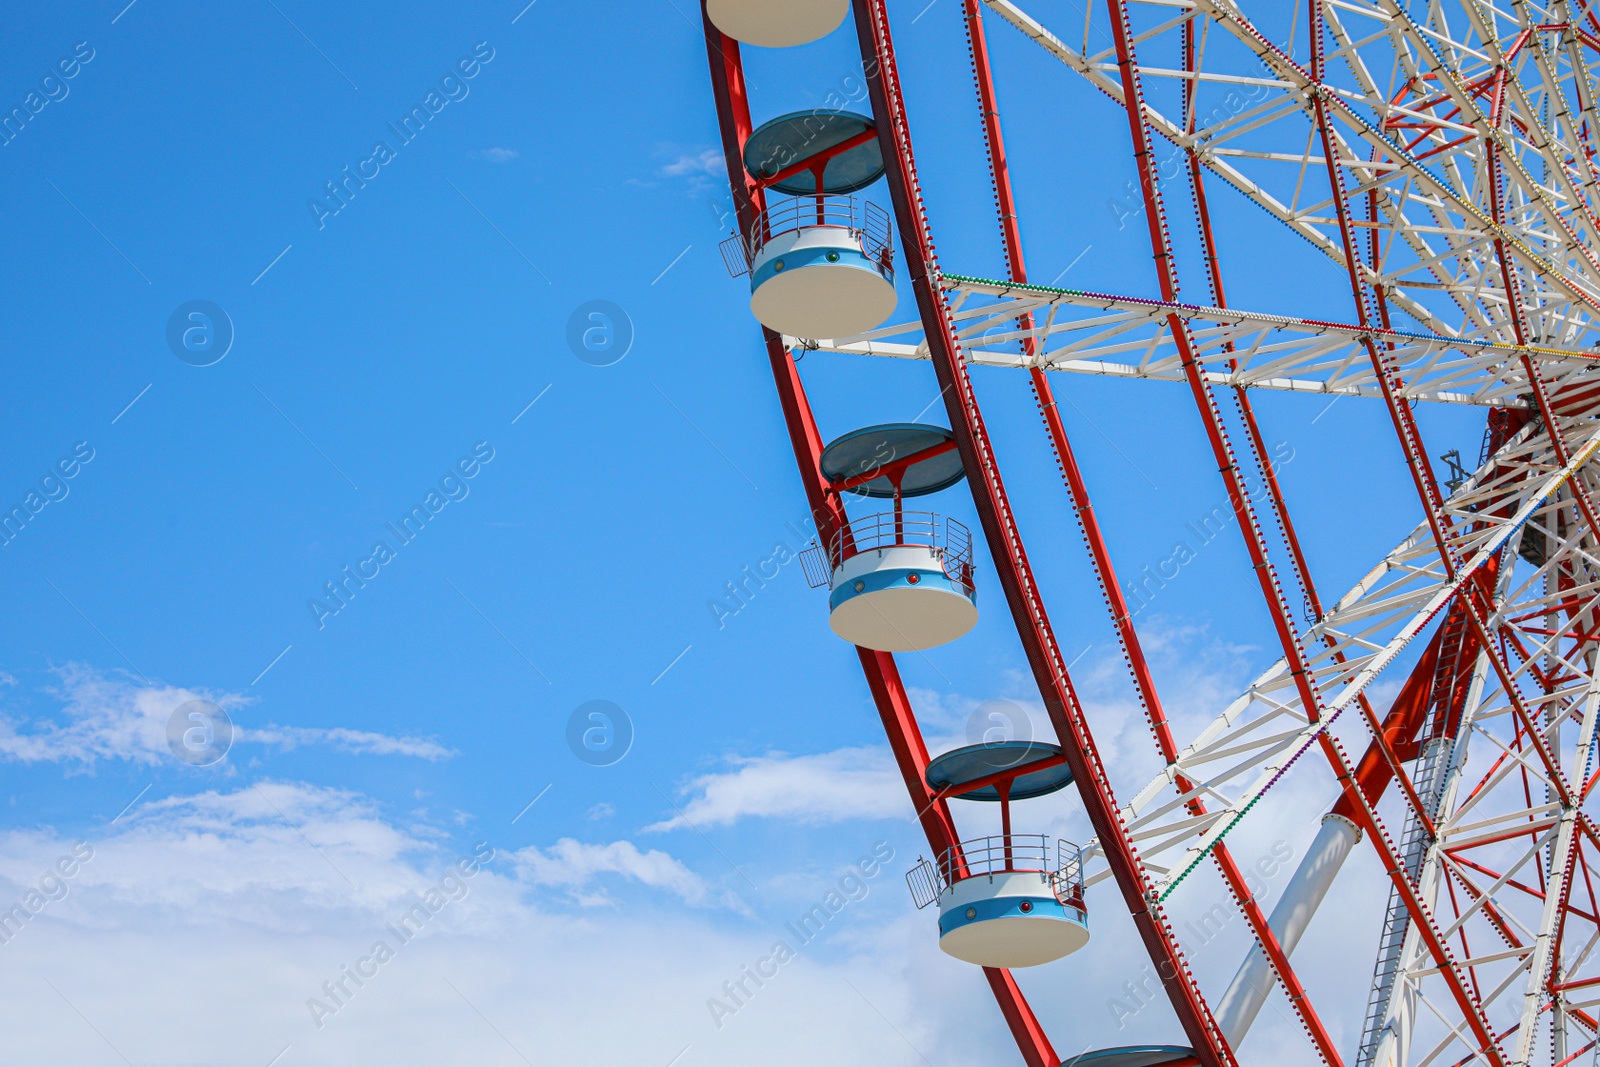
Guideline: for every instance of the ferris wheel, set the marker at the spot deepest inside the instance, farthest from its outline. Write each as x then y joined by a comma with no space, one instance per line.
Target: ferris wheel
1441,156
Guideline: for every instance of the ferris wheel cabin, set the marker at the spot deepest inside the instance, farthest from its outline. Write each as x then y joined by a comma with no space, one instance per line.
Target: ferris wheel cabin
777,23
821,262
1136,1056
819,267
1010,900
898,581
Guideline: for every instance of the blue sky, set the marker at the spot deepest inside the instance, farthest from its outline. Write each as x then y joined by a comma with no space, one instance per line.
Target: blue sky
377,348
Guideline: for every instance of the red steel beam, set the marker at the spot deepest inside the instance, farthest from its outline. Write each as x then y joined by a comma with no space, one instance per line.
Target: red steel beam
896,467
1428,492
1405,423
882,675
1099,554
1011,774
810,162
1205,402
1380,764
1006,547
1400,738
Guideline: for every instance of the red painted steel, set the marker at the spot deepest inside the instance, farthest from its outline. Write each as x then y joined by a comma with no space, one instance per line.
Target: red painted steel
818,162
893,471
1381,764
883,677
1205,402
1404,421
1416,457
1099,553
1436,689
1005,543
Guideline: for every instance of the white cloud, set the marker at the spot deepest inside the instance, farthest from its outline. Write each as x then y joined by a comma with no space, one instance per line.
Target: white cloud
574,866
101,718
218,892
259,855
497,155
705,162
357,742
847,783
262,854
259,895
107,717
215,898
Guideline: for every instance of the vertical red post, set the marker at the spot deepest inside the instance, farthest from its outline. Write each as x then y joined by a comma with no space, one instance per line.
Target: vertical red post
1006,549
1205,402
883,677
1099,554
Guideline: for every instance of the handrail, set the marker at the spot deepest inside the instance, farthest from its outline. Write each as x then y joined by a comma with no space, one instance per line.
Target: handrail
888,529
868,222
1002,854
950,539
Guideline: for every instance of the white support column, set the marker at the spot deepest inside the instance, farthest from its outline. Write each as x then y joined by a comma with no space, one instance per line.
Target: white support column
1289,919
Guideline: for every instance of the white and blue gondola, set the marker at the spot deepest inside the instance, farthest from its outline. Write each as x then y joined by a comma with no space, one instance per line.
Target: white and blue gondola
1006,900
898,581
777,23
821,261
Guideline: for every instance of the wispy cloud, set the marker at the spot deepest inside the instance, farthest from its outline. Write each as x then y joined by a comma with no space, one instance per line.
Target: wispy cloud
259,893
700,169
100,717
218,892
264,852
356,742
110,717
497,154
837,786
268,852
706,161
575,866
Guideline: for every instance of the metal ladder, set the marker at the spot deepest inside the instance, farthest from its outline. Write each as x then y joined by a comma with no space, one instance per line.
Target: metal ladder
1429,778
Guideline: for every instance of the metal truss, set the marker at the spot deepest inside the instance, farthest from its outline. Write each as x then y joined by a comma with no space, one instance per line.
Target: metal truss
1096,333
1458,191
1439,154
1249,747
1464,129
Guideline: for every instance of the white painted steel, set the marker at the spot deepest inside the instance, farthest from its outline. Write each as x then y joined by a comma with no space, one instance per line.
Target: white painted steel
1301,897
820,299
777,23
1011,941
894,557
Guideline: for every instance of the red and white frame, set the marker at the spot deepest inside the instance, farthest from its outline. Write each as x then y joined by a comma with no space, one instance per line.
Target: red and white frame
1460,203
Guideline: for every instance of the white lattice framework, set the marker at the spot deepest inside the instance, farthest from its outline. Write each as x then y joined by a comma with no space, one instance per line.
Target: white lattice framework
1461,200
